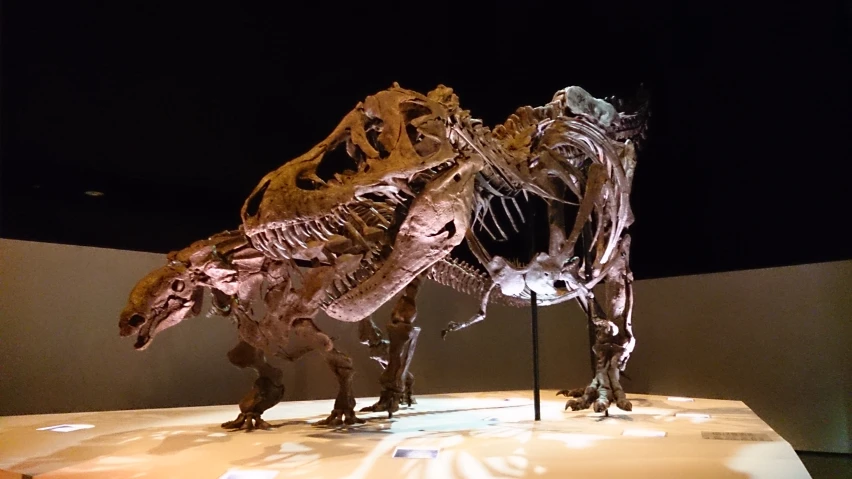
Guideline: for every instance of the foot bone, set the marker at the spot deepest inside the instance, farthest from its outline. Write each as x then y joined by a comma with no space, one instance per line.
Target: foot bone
341,417
597,395
248,421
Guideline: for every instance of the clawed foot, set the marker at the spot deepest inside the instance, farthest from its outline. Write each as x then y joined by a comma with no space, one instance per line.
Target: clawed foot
389,401
340,417
248,421
593,396
451,326
454,326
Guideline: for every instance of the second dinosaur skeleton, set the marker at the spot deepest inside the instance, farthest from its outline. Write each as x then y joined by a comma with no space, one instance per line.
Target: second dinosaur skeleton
410,186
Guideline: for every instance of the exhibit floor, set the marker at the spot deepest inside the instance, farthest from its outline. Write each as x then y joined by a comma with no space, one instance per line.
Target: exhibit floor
468,435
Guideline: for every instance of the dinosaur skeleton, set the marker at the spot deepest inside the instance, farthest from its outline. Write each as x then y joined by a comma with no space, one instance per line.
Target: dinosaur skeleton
407,187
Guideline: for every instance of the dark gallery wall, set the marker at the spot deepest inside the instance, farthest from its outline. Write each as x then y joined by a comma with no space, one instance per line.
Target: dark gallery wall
776,339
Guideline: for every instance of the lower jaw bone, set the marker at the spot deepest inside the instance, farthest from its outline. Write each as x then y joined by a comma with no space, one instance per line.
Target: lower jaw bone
419,243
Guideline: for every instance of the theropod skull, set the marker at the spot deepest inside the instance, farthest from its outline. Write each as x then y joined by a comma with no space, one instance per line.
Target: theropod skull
388,185
370,158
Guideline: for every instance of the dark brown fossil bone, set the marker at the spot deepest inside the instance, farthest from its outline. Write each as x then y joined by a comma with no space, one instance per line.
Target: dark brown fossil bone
411,186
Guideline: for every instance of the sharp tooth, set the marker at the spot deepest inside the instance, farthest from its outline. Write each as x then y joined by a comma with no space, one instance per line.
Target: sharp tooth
340,286
262,241
324,225
314,229
293,233
288,237
372,264
352,280
356,236
379,217
362,274
337,216
362,225
279,235
258,244
283,251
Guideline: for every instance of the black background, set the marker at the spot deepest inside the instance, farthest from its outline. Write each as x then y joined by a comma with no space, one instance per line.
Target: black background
175,113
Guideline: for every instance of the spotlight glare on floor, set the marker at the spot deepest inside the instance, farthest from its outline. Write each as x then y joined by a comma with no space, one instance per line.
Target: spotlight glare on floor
693,415
66,427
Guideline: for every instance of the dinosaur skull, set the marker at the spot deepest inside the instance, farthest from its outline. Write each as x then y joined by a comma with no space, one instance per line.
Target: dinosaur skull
353,193
160,300
375,150
358,175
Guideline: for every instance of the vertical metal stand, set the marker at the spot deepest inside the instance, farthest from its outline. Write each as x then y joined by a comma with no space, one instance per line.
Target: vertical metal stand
530,239
536,379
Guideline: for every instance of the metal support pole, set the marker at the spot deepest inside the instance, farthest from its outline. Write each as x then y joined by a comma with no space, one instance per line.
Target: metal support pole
536,378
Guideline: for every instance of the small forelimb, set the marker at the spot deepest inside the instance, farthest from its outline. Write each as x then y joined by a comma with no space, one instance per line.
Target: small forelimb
370,335
479,316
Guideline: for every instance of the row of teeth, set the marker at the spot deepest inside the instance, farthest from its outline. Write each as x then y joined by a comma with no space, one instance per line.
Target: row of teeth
347,221
442,167
342,285
373,260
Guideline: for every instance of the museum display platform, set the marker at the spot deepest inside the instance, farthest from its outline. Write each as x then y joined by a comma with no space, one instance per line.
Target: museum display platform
465,435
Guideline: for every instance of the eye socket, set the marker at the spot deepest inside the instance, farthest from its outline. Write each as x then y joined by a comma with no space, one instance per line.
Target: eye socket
421,137
178,285
342,158
373,128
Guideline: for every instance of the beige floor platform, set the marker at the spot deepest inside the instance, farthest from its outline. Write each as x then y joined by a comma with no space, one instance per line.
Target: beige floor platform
471,435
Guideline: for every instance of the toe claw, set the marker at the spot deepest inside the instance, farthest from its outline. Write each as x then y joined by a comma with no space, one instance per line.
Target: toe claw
388,402
248,421
340,417
353,420
574,393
